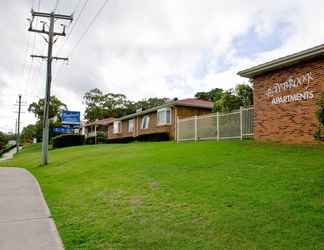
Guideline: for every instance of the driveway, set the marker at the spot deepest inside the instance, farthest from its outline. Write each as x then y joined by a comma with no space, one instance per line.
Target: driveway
25,220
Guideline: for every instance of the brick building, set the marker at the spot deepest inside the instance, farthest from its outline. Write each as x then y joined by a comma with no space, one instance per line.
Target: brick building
161,119
285,93
96,127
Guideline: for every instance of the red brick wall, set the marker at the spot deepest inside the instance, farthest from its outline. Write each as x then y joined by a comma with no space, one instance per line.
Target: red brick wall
293,122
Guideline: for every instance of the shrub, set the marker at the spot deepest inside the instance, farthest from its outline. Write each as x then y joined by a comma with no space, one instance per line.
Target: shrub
90,140
101,140
120,140
153,137
320,116
67,140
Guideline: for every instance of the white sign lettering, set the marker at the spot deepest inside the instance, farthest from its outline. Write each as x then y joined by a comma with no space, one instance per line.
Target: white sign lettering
293,98
291,83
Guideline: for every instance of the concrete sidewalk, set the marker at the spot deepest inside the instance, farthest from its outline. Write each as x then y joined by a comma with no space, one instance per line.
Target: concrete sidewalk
9,155
25,220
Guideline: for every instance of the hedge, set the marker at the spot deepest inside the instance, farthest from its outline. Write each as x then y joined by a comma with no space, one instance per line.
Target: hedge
68,140
153,137
90,140
120,140
142,138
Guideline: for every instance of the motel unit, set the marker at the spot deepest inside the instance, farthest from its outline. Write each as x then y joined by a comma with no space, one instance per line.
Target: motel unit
161,119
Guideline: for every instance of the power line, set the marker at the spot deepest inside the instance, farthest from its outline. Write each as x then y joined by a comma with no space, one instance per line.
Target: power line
88,27
56,5
77,6
84,33
30,75
75,22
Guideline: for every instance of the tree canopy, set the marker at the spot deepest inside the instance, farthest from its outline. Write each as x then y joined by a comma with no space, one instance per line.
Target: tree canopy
232,99
100,105
3,140
54,108
35,130
213,95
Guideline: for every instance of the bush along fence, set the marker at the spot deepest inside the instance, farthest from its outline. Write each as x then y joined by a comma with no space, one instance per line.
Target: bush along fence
238,124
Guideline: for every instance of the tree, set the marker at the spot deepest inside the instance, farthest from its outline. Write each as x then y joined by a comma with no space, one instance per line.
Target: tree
213,95
245,93
149,103
232,99
30,132
115,105
228,102
100,105
3,140
35,131
55,108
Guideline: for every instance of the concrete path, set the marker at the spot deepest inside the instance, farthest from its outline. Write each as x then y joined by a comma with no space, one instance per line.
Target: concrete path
9,155
25,220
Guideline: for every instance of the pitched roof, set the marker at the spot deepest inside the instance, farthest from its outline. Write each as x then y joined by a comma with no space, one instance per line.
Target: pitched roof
189,102
102,122
193,102
283,62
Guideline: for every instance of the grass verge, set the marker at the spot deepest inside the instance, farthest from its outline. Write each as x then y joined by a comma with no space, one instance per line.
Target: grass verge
208,195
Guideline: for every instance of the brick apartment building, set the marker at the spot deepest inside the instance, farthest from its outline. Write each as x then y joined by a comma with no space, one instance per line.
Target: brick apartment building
161,119
285,93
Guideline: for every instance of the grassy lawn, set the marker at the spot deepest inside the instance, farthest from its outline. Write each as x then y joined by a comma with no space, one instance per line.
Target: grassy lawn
208,195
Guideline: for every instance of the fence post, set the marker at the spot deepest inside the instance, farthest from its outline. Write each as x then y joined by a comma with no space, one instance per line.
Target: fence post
217,125
241,122
177,129
196,127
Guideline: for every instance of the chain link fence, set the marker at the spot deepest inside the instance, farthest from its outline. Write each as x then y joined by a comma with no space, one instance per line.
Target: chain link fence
217,126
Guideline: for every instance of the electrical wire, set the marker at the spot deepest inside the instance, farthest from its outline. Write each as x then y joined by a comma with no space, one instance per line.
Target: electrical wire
29,78
84,34
77,6
74,24
56,5
88,27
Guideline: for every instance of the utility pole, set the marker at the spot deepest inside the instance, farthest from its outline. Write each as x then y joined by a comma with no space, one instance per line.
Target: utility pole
20,104
18,124
51,34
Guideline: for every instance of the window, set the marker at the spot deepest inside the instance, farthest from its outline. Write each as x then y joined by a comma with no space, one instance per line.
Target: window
145,122
164,116
117,127
131,125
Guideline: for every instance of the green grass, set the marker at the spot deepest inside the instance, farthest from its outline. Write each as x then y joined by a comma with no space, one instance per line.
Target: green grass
208,195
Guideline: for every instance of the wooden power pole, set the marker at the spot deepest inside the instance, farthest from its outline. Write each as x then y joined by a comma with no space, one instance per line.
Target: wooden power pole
51,35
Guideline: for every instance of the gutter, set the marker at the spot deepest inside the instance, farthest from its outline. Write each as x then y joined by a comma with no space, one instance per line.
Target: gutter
283,62
166,105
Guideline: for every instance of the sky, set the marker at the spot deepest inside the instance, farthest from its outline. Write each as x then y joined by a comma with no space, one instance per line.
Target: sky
147,48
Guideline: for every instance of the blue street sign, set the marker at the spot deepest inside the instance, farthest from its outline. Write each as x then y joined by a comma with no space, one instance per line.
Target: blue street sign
70,117
63,130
